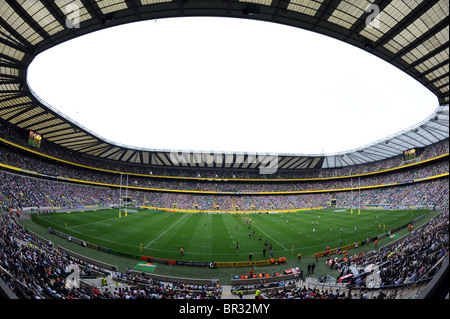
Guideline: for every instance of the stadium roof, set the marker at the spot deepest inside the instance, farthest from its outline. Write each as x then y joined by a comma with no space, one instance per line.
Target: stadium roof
411,35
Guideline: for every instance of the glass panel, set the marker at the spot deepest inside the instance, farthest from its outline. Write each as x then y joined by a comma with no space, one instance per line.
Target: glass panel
145,2
41,15
305,6
263,2
17,23
68,8
420,26
389,18
348,12
108,6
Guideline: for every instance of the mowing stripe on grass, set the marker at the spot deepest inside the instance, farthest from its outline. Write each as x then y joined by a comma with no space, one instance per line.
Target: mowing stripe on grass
184,215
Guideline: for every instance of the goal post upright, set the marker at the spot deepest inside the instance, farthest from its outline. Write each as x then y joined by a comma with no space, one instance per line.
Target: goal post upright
126,197
120,196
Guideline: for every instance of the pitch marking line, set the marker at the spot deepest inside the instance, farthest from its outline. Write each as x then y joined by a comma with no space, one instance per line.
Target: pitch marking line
165,231
271,238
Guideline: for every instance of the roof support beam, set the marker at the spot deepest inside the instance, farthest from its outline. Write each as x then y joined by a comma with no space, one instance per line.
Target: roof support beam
29,19
24,42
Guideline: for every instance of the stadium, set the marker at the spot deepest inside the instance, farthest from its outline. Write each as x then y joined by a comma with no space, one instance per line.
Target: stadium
86,218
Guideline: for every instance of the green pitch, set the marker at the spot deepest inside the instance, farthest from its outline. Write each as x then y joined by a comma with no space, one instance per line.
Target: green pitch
208,237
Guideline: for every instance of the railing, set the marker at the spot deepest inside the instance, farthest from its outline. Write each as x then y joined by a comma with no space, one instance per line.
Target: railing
315,283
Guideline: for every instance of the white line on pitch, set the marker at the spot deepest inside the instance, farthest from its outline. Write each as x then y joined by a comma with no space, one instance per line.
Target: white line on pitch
270,237
166,231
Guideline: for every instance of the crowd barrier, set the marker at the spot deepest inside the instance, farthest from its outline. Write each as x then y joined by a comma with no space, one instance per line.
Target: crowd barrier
252,281
242,263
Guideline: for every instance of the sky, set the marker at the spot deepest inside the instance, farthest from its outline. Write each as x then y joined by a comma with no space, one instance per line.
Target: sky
222,84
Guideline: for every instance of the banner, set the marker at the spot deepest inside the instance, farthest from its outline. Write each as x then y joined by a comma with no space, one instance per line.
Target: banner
334,250
159,260
242,263
193,263
145,266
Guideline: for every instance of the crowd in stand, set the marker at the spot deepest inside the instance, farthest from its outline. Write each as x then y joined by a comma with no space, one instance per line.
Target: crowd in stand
418,256
20,191
15,158
32,271
36,270
305,293
27,161
18,137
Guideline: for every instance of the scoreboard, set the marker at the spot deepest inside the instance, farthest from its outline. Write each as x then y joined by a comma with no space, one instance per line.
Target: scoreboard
410,154
34,139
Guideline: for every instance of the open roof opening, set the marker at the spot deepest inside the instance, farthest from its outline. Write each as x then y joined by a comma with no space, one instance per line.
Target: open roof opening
227,85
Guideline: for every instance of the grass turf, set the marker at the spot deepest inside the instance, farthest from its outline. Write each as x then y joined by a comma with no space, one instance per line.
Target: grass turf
213,237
